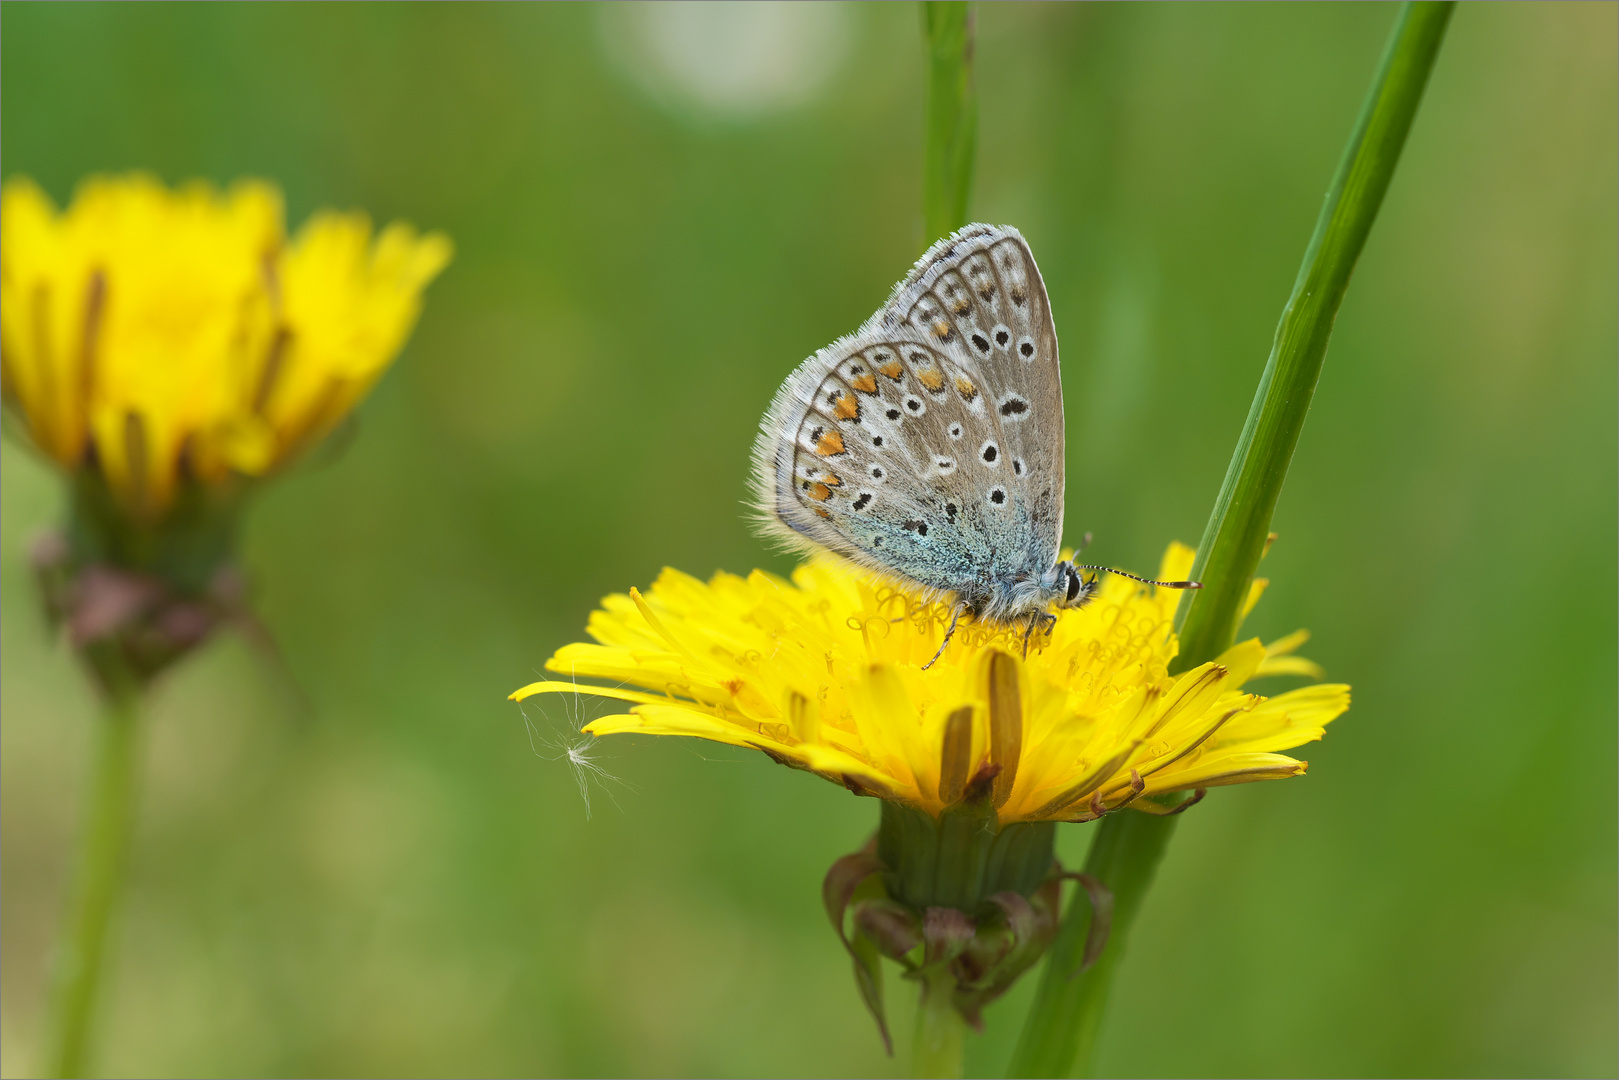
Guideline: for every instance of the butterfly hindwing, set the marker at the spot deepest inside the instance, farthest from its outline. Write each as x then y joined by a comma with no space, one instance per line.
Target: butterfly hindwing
869,451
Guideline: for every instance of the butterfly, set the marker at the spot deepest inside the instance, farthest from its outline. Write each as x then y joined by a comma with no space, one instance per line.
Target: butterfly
928,445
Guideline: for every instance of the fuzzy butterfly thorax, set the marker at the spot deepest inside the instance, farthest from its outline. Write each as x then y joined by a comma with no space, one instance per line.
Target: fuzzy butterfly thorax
928,445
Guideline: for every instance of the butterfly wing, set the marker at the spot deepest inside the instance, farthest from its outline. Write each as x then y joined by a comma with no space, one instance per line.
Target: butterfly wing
863,451
930,444
978,297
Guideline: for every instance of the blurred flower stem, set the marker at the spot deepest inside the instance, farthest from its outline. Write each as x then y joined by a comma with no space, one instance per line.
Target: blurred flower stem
1060,1031
104,835
952,116
170,349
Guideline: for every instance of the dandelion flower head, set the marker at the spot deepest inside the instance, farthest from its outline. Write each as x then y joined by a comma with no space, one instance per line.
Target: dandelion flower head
825,673
162,335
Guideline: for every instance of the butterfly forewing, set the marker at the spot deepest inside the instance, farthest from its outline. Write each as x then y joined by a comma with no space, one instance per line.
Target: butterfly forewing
980,296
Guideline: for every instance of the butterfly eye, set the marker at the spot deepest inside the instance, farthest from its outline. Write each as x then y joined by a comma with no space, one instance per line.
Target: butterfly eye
1073,585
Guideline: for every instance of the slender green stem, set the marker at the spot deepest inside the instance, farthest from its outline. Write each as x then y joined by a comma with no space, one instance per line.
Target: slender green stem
952,116
1067,1012
1235,536
941,1034
1063,1024
103,851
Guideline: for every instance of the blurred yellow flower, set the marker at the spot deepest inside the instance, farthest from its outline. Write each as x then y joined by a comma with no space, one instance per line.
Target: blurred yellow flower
825,673
161,335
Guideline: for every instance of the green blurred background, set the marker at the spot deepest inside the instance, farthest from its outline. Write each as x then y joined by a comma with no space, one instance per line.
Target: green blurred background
358,865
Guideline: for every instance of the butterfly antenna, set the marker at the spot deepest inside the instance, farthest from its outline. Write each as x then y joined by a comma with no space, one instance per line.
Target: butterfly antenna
1143,580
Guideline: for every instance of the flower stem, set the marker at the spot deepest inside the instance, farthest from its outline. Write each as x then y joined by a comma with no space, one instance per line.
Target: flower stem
1061,1029
941,1033
103,851
952,116
947,181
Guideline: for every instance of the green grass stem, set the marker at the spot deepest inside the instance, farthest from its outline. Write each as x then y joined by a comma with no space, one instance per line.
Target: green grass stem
952,116
1061,1029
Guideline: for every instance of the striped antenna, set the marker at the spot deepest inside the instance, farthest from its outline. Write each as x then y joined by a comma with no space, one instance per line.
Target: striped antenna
1143,580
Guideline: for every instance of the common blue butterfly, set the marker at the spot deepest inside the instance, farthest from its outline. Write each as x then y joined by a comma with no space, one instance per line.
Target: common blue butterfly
928,445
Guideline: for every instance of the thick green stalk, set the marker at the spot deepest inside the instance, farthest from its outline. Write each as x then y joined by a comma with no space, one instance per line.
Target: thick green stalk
1062,1026
952,116
103,850
941,1034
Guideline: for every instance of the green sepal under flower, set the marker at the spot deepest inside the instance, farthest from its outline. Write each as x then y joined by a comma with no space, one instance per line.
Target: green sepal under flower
133,595
958,901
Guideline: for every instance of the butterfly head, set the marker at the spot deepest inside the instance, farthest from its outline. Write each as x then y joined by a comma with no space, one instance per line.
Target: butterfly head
1075,588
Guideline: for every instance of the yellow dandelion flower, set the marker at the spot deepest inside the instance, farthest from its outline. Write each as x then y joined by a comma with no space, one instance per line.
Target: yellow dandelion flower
161,336
825,673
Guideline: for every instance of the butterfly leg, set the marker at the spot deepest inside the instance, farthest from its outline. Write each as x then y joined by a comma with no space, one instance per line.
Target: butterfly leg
1034,620
955,615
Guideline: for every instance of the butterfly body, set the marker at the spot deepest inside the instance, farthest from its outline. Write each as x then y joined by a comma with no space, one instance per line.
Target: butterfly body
928,445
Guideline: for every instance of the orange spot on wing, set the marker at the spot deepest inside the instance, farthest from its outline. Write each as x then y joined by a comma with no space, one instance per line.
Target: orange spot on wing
823,512
866,383
829,444
892,369
965,387
819,492
832,479
847,408
932,378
